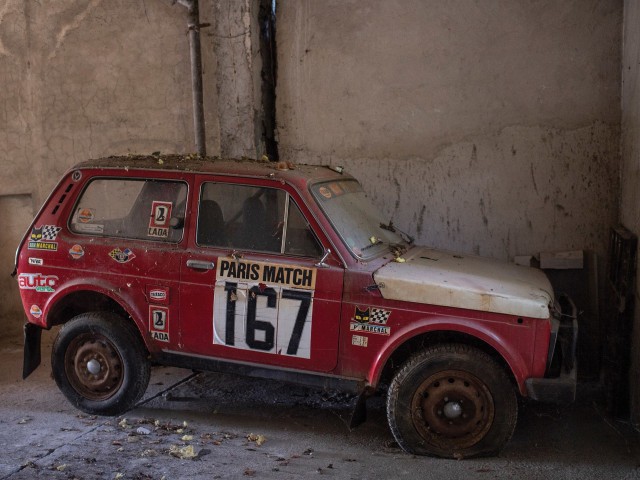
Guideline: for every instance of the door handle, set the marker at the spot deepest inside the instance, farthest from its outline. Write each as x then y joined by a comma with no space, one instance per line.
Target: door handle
200,265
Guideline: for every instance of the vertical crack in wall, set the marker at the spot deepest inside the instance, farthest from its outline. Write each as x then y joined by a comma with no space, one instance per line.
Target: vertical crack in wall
267,21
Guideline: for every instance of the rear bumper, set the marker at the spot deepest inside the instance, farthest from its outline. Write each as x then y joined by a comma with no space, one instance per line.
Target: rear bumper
31,359
561,386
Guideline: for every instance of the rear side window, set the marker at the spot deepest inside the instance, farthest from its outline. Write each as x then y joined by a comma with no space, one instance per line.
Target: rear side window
244,217
141,209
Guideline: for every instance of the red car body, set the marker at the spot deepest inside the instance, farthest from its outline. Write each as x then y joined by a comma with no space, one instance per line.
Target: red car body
351,337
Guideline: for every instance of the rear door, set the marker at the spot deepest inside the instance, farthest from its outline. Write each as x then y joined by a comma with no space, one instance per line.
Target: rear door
125,235
250,287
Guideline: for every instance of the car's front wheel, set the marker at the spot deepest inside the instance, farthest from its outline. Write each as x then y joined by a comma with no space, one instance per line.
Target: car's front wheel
100,364
452,401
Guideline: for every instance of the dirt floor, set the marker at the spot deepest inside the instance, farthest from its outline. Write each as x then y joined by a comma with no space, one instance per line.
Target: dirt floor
204,426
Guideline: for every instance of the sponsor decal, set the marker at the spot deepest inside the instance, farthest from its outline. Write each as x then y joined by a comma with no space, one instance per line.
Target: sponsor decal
122,256
37,282
267,273
35,311
335,188
160,216
158,295
159,323
88,227
76,176
42,238
370,320
36,261
85,215
359,340
76,252
325,192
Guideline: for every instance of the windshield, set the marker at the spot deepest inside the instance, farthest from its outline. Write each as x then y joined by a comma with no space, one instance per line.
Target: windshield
354,218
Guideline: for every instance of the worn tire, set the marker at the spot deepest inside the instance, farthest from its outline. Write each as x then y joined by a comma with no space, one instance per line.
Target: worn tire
452,401
100,364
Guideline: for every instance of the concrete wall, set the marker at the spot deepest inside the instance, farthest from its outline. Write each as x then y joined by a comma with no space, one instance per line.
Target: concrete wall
630,197
484,127
82,79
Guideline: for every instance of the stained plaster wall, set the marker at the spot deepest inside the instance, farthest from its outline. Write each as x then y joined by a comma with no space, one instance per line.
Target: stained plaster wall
630,198
89,78
483,127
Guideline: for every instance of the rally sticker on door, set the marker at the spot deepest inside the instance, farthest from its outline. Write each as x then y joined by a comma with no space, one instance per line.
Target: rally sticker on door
160,216
267,273
159,323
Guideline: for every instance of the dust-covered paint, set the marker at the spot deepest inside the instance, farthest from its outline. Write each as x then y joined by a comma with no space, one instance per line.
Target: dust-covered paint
476,283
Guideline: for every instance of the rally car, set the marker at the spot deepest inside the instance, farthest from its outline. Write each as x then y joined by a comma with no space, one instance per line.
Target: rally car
284,272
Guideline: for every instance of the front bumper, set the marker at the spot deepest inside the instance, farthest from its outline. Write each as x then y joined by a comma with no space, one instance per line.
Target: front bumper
559,386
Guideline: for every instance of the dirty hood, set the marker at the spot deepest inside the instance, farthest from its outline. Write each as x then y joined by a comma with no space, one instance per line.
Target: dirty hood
466,281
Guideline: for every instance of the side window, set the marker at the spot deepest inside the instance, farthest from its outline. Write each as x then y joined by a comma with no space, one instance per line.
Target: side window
244,217
299,239
141,209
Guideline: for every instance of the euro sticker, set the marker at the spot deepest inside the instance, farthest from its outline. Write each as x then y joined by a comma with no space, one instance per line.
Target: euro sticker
160,216
159,323
37,282
122,256
325,192
76,252
85,215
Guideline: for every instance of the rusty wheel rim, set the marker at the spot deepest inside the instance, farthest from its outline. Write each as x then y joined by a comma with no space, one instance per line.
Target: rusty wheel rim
452,409
94,367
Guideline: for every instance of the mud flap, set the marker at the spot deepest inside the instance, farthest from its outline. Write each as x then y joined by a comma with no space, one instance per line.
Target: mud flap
359,412
31,359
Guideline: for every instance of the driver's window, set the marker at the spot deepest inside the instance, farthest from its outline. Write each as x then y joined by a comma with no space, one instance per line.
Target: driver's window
244,217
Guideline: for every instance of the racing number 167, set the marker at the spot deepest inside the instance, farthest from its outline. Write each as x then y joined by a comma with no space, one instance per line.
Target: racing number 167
260,332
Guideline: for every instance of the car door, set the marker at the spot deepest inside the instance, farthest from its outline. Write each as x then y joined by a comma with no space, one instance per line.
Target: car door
121,233
251,289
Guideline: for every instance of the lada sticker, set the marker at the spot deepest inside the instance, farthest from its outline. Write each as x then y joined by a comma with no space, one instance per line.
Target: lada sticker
159,222
159,323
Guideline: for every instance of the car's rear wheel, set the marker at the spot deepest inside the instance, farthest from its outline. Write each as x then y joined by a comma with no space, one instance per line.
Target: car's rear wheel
452,401
100,364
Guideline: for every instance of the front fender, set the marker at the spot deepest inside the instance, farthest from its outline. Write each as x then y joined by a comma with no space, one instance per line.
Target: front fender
495,338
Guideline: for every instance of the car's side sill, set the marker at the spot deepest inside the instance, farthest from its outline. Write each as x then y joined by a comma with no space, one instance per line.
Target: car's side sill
316,380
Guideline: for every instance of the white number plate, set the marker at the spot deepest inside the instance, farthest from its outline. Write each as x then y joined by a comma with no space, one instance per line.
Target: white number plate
271,319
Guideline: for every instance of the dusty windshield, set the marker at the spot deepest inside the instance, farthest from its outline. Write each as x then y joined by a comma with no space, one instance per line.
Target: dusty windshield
354,218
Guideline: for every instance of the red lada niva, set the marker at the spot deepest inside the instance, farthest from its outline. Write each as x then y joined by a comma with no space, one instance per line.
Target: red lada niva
284,272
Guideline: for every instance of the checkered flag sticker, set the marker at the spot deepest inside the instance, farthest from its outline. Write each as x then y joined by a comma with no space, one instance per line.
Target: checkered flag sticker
379,316
50,232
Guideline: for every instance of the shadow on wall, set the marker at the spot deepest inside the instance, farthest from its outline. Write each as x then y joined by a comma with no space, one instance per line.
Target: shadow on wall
16,211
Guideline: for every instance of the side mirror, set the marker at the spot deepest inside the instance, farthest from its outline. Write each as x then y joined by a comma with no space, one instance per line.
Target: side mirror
321,263
176,222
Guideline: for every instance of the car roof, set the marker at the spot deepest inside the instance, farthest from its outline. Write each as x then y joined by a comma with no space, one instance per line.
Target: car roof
293,173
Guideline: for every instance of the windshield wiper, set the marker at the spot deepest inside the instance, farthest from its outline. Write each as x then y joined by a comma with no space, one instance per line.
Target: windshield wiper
372,244
392,228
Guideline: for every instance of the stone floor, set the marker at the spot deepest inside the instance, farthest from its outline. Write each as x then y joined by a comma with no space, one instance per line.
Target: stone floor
239,428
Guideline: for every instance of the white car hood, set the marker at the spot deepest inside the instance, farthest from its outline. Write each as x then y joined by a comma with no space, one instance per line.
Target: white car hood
466,281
